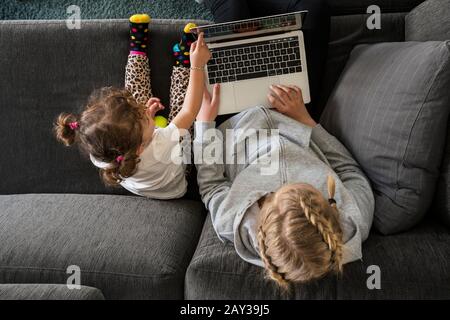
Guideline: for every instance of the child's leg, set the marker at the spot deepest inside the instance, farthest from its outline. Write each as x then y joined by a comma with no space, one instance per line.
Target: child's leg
178,86
137,78
180,71
137,71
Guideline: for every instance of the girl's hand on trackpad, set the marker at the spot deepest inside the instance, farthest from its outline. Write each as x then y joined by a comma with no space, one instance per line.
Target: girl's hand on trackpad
288,100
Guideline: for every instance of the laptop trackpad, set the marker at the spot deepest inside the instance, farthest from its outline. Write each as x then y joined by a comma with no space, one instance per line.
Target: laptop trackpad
251,93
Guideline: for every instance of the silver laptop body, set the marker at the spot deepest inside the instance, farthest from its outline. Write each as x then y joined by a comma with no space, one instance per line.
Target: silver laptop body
250,55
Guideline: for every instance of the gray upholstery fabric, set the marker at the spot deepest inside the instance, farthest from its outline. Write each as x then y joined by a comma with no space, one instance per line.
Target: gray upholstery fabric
390,109
127,247
54,69
348,31
413,265
217,272
47,292
430,21
345,7
442,199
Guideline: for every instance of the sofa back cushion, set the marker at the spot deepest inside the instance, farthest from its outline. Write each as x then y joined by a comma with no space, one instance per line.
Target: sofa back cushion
348,31
429,21
345,7
390,109
442,200
46,69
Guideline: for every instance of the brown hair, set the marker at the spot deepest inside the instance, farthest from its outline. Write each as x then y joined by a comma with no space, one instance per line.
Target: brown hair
299,236
108,127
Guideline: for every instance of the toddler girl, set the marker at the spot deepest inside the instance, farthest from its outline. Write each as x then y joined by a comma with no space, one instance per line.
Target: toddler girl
117,127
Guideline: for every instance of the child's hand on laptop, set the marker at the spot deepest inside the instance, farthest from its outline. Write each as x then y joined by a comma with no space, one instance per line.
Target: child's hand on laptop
288,100
199,52
210,105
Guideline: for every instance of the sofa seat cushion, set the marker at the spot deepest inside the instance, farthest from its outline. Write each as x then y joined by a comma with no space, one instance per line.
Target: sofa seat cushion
44,291
413,265
127,247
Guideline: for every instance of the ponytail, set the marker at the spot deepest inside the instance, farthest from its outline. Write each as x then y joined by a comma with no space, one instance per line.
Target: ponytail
109,130
118,170
331,184
65,128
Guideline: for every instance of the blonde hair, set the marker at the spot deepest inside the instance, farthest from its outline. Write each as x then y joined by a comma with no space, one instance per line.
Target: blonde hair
299,236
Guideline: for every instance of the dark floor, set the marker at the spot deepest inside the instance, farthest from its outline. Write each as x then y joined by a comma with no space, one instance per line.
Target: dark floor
102,9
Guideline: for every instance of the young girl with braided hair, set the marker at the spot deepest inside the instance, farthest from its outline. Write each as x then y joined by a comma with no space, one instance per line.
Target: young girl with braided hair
302,221
300,209
117,127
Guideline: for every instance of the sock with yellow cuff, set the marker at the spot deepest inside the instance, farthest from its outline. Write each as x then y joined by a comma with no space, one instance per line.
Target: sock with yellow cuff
181,49
139,33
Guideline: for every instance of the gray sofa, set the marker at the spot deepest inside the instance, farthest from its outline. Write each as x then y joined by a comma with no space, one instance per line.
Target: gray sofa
55,212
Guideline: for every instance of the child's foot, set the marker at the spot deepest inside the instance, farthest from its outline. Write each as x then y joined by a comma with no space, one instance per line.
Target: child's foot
139,33
181,49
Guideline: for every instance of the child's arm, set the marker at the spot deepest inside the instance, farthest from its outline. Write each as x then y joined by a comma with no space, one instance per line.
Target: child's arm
213,184
200,55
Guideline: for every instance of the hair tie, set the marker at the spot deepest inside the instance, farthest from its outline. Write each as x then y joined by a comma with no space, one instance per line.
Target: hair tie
74,125
331,190
119,159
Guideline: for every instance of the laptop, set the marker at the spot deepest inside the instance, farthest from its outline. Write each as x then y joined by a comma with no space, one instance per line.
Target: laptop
250,55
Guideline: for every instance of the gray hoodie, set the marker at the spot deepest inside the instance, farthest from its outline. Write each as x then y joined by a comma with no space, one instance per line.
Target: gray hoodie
230,191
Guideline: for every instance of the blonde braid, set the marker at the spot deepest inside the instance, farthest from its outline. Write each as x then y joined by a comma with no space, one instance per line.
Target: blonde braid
299,235
325,226
271,268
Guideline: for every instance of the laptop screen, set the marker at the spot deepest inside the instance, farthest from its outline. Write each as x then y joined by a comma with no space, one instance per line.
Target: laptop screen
242,28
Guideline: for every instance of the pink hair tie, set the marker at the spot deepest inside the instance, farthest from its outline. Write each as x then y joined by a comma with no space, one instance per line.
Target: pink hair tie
74,125
119,159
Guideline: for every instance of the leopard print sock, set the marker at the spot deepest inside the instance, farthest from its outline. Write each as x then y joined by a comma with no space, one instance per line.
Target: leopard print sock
137,78
178,86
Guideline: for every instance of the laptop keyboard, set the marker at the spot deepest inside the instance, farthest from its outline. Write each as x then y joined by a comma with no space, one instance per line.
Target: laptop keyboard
254,60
